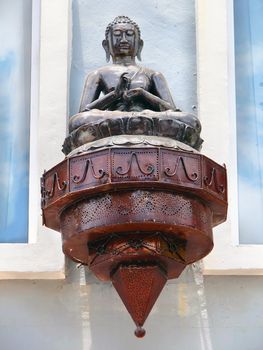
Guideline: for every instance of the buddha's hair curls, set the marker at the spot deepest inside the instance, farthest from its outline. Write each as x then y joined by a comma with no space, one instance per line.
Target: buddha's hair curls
121,19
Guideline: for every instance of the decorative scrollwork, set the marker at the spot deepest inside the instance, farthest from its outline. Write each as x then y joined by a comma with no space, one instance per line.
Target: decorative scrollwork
150,168
136,243
213,179
43,191
55,181
102,246
174,245
79,179
192,177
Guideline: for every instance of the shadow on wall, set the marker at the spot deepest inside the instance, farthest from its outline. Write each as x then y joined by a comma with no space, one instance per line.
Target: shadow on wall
214,313
224,312
178,320
40,315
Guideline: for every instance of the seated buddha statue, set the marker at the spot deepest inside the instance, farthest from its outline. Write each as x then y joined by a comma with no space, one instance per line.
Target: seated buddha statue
124,98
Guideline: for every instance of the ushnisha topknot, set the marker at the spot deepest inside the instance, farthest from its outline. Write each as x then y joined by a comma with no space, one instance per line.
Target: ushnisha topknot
121,19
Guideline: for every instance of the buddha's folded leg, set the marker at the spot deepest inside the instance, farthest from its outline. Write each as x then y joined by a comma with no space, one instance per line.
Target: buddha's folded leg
94,116
186,118
98,116
97,124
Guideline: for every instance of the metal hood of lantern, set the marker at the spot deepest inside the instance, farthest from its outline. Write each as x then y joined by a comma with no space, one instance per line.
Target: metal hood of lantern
134,199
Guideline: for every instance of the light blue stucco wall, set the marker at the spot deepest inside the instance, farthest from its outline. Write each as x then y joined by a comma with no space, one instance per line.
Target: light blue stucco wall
168,31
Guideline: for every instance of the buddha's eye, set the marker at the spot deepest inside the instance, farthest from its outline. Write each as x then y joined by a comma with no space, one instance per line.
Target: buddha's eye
117,32
130,32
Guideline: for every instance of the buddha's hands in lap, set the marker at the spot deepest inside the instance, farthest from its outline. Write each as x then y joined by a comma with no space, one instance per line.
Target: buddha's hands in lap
122,90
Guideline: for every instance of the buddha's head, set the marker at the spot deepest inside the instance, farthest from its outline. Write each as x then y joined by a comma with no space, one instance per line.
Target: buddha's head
122,38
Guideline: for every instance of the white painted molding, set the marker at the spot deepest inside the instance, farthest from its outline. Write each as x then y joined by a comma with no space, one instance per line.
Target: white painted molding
216,100
42,257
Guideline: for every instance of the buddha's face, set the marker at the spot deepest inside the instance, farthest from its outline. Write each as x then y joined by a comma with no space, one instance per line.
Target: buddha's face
123,40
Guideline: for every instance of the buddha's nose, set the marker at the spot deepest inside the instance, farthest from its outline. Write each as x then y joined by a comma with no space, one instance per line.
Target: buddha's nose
123,39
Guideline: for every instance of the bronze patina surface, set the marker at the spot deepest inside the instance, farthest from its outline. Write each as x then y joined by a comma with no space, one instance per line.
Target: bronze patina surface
125,98
134,199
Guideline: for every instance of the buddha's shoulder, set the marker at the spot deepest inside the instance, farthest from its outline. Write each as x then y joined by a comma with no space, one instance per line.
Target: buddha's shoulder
96,72
150,72
105,70
118,69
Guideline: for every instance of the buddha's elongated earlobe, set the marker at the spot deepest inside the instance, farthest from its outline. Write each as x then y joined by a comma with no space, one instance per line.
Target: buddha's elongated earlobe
105,45
140,46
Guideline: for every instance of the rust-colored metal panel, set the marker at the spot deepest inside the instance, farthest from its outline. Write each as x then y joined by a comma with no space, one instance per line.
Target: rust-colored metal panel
54,183
135,164
89,170
104,219
214,178
139,297
125,169
181,168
